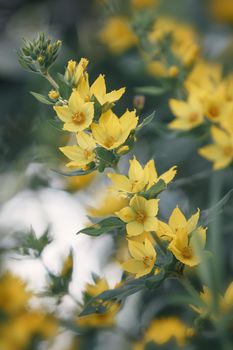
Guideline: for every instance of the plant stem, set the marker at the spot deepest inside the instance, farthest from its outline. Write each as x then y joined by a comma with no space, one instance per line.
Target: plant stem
52,81
159,242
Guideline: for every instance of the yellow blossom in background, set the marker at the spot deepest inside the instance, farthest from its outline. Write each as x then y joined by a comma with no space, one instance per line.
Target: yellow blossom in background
110,203
183,236
188,114
13,294
140,215
75,71
18,333
227,301
163,330
81,154
76,183
215,104
117,34
140,178
144,256
106,319
140,4
221,152
222,10
77,115
111,131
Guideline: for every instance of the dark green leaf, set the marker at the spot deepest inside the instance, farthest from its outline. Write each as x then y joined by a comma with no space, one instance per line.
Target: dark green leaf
103,226
41,98
155,190
34,246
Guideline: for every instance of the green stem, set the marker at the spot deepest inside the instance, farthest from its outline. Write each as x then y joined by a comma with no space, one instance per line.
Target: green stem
52,81
159,242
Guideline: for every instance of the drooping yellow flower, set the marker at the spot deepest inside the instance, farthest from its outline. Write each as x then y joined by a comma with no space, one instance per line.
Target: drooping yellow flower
106,319
144,256
81,154
185,236
221,152
140,215
140,178
111,131
111,203
75,71
76,183
13,294
77,115
163,330
117,34
188,114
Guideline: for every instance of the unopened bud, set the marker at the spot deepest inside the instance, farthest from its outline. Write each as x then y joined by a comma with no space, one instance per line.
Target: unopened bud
139,102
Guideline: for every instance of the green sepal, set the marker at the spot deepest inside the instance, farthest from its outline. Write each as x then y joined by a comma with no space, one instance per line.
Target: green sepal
154,190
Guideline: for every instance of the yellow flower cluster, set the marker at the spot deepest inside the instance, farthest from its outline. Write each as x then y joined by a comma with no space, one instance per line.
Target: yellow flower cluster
163,330
19,324
106,319
88,113
209,98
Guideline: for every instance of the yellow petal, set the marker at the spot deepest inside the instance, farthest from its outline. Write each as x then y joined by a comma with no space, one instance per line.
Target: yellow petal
134,228
121,182
114,95
85,141
169,175
128,120
151,224
220,137
151,172
164,231
177,219
136,173
192,222
133,266
228,296
138,203
126,214
63,113
151,207
179,108
75,102
99,86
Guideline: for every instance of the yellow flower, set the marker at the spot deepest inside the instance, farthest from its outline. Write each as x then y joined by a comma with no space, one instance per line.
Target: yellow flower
140,178
13,294
53,94
222,10
221,152
140,215
164,329
117,34
144,256
98,89
81,154
76,183
140,4
188,114
227,302
106,319
111,203
75,71
215,104
111,131
77,115
183,235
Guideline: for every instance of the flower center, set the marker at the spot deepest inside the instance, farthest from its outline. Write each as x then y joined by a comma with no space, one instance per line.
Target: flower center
187,252
228,150
109,141
140,217
213,111
147,260
87,153
78,118
193,117
87,98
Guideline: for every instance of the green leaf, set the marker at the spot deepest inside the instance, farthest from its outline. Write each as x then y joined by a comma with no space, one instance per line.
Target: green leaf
155,190
103,226
146,121
34,246
41,98
92,167
65,89
152,90
210,214
106,158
